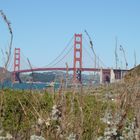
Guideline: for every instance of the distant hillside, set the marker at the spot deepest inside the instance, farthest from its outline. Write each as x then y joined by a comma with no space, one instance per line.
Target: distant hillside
42,77
133,75
4,74
56,76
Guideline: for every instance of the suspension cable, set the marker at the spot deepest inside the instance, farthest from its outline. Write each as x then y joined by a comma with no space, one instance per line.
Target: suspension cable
94,52
10,62
61,52
88,53
25,60
63,56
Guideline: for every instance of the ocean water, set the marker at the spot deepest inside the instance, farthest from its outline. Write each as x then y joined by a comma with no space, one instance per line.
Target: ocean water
27,86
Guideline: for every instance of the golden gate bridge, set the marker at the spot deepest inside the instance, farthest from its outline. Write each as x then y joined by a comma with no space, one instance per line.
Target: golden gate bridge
106,74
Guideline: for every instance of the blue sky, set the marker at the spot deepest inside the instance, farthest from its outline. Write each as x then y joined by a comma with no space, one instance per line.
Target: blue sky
42,28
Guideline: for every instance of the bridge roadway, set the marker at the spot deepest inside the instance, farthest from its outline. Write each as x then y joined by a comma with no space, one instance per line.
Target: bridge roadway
63,69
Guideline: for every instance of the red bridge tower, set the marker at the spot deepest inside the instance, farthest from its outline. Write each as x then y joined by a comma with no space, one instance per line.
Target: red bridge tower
16,62
77,65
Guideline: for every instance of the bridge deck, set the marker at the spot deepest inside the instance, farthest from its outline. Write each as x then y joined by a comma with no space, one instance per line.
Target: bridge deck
65,69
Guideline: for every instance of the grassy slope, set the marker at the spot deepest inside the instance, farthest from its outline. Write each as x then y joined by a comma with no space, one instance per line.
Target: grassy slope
80,114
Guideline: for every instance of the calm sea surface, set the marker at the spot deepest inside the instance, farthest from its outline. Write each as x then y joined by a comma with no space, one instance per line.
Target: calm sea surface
27,86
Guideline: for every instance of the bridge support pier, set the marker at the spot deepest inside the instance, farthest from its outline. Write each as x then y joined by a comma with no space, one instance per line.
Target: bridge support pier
105,76
112,76
101,76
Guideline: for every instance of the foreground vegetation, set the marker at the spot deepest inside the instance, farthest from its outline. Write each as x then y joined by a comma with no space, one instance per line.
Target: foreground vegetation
20,111
78,114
